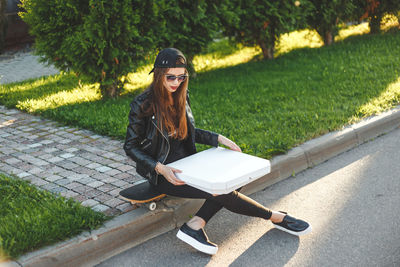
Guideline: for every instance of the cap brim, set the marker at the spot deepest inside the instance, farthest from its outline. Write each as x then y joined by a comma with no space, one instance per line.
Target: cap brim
164,67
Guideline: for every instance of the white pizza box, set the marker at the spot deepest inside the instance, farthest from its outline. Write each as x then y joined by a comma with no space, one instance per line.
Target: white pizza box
219,170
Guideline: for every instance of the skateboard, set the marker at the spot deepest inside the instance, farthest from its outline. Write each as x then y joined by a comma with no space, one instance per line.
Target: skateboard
142,193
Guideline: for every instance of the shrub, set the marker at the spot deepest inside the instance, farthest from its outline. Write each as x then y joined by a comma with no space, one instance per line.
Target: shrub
101,40
327,15
261,22
190,25
374,11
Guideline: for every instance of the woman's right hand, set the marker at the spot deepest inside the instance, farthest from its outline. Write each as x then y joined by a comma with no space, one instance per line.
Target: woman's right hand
169,173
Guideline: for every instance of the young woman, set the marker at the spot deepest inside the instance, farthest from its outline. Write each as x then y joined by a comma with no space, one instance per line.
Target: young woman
161,130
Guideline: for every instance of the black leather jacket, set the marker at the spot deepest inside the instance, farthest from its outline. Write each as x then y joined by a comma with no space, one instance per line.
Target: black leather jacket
146,144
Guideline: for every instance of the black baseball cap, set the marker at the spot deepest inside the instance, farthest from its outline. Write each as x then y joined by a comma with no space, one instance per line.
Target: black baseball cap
167,59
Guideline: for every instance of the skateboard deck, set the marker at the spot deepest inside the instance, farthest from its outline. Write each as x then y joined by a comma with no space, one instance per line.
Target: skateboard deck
142,193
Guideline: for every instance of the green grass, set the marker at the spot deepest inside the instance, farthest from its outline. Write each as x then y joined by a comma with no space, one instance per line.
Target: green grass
267,107
32,218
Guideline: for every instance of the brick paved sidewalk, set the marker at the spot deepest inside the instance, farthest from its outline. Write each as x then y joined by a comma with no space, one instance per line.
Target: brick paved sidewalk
75,163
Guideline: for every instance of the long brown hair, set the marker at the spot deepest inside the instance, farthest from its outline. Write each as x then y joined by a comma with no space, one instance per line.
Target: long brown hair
170,109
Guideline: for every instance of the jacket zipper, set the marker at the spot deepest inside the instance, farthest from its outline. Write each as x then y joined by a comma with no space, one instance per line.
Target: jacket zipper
165,158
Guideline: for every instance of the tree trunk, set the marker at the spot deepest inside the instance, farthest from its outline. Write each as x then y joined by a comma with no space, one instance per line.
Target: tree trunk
190,66
375,24
110,90
268,51
328,38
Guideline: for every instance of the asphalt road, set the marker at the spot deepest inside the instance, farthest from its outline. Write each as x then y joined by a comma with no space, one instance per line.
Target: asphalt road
352,202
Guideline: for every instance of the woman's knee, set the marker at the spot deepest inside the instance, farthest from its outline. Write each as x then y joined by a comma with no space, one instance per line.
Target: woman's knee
231,195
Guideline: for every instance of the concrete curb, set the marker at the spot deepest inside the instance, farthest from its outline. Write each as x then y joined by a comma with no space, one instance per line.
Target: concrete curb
139,225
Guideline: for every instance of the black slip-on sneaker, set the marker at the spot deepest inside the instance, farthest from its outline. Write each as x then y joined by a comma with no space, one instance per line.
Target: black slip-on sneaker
197,239
293,226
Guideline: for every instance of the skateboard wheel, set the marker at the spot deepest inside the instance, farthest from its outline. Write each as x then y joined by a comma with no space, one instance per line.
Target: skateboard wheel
152,206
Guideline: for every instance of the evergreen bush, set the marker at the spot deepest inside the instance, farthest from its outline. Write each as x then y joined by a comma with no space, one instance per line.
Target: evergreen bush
374,11
261,22
101,40
190,25
327,15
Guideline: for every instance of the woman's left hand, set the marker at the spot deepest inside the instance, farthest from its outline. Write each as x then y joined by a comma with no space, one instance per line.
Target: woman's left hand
229,143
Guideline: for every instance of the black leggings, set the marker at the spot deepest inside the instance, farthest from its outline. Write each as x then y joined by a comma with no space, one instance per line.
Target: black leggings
233,201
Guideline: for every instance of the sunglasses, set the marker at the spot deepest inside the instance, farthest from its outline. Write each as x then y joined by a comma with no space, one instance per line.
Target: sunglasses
172,78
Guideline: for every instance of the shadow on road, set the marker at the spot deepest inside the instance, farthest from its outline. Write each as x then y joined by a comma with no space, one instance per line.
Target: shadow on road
272,243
